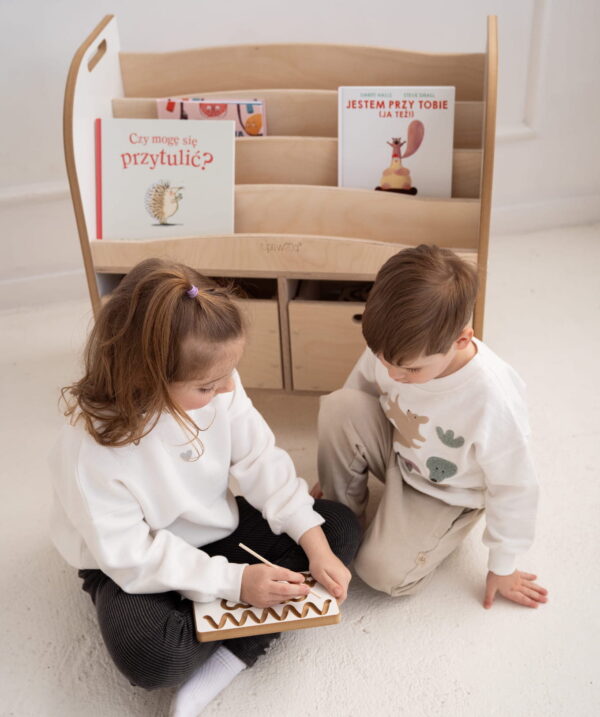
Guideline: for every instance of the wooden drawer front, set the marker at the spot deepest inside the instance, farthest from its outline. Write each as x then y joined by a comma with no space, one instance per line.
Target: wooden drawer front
260,366
326,341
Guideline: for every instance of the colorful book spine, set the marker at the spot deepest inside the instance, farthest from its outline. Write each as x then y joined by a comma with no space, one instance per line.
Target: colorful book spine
248,115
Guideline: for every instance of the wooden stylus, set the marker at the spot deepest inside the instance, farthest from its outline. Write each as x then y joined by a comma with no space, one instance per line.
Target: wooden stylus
267,562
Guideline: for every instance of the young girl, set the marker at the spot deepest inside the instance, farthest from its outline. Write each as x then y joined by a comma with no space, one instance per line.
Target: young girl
143,508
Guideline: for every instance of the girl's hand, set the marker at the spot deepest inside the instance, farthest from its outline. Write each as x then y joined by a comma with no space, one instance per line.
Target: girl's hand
264,586
316,491
327,569
517,587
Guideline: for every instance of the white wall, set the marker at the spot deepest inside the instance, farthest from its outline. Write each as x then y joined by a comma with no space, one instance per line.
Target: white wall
547,165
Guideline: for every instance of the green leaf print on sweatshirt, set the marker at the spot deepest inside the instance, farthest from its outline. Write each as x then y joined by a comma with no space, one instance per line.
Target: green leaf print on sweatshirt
447,438
439,469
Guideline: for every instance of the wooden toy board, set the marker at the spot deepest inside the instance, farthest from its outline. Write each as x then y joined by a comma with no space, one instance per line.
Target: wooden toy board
292,223
224,620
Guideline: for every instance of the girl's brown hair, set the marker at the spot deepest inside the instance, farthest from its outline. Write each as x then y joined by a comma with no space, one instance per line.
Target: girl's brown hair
420,302
135,350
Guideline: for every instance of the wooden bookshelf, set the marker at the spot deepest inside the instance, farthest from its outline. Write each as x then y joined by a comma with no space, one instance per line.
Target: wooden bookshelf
292,223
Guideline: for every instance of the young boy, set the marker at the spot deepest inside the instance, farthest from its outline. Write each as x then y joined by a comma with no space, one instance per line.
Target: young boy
441,420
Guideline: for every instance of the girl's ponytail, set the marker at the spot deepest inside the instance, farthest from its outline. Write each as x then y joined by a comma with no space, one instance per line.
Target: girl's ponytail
136,349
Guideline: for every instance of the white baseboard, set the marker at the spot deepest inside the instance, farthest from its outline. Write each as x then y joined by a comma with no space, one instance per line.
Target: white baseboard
550,213
36,191
42,289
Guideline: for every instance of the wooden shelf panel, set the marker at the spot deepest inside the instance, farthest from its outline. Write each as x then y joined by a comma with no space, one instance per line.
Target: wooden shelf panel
302,113
357,213
306,113
468,125
466,173
314,161
297,66
285,209
286,160
258,255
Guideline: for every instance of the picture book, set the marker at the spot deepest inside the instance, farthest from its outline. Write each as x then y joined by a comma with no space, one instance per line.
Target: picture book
248,115
157,179
396,139
223,620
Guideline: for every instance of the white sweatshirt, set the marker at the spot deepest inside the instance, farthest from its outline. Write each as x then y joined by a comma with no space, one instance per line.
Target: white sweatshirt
139,512
464,439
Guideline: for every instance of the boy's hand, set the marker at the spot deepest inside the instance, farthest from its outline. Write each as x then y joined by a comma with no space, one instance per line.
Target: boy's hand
262,585
333,575
316,491
517,587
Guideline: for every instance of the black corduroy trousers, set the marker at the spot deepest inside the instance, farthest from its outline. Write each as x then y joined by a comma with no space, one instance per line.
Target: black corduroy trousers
151,637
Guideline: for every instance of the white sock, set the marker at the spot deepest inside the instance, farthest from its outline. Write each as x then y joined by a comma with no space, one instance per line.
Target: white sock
205,684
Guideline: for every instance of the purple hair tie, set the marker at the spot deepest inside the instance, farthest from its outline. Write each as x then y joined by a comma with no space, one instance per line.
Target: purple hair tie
193,292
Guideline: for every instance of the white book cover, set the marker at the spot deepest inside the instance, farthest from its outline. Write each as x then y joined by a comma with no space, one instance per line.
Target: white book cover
396,139
157,179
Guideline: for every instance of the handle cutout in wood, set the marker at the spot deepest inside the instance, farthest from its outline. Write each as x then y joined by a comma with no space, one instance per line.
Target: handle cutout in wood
98,55
357,318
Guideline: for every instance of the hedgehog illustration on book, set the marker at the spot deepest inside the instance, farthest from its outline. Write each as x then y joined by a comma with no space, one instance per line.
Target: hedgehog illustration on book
396,178
162,201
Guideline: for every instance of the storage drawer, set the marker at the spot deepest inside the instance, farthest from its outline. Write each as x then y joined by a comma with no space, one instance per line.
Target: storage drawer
260,366
326,341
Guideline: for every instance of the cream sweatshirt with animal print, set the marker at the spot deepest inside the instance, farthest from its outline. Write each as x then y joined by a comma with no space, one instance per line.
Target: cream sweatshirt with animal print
464,439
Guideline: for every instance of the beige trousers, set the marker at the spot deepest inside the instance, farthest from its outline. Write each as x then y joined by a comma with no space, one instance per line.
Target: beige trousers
411,533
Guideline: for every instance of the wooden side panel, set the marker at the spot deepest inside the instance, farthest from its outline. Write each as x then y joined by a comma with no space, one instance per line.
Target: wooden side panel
94,79
260,366
296,66
487,174
326,340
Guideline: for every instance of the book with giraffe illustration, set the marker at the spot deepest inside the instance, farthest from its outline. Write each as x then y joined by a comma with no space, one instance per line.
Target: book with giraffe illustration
157,179
223,620
396,139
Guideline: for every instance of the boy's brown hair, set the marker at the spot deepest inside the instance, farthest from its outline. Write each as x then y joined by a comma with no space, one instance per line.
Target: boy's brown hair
136,349
420,302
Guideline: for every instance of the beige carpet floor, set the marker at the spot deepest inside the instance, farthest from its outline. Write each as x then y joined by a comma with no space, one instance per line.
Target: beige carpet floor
438,653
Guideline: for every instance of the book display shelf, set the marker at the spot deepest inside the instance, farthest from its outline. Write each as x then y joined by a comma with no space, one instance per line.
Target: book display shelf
304,250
